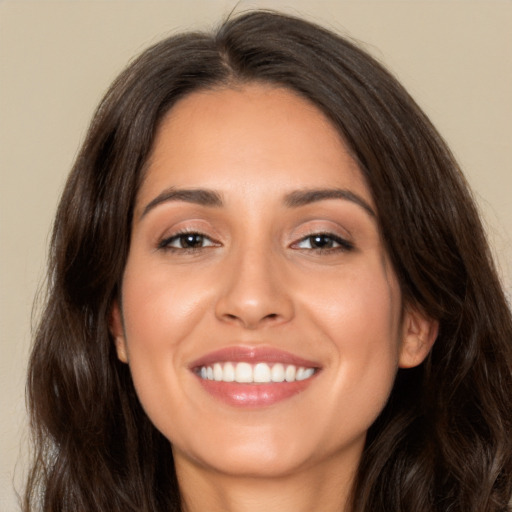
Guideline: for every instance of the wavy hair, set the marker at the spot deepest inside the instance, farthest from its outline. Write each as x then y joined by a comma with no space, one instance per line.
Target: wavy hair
443,443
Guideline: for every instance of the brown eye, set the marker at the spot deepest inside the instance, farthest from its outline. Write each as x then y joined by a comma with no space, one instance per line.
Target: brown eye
190,240
186,241
324,241
321,242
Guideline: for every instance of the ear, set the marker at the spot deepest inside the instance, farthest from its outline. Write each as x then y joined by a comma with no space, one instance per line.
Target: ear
117,330
419,335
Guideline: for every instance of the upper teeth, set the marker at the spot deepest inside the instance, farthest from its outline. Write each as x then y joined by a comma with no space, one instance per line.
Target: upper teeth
254,373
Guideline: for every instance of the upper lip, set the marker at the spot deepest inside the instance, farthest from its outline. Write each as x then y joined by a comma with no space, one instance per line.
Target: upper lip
248,354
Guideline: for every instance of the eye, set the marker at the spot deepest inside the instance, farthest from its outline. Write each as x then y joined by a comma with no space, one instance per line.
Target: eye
323,242
186,241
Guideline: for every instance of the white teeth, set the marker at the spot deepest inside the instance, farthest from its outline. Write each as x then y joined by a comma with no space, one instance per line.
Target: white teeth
243,372
304,373
260,373
278,373
290,373
228,373
217,371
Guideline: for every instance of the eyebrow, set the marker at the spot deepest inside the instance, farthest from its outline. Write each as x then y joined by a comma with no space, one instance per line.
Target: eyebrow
299,198
199,196
295,199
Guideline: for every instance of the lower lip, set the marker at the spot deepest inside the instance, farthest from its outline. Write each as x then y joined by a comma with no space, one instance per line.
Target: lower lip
254,395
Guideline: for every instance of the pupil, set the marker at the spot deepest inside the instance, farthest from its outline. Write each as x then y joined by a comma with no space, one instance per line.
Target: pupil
321,241
191,240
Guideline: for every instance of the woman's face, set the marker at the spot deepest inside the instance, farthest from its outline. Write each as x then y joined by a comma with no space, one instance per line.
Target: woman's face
261,318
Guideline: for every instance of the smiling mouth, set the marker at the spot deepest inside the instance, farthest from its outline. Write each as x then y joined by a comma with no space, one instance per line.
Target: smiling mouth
254,377
258,373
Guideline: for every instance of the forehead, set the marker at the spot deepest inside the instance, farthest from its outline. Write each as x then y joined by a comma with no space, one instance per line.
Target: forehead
234,138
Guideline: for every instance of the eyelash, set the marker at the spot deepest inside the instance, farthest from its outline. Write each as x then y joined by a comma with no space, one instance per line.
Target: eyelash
343,245
165,244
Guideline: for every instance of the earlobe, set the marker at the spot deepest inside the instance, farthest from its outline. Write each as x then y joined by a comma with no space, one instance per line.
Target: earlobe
117,330
419,335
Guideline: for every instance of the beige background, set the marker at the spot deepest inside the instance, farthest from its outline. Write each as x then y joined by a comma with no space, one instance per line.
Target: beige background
57,58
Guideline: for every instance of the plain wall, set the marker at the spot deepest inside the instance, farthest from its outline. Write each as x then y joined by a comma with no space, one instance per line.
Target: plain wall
57,59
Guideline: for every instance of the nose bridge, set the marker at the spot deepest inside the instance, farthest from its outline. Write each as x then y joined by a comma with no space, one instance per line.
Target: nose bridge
255,292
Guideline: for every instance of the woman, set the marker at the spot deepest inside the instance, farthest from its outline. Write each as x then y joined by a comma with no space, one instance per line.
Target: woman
269,289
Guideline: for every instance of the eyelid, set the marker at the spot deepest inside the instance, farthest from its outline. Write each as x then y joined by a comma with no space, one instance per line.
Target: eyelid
168,226
323,225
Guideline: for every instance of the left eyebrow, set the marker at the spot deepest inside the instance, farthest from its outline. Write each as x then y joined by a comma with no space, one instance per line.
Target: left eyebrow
304,197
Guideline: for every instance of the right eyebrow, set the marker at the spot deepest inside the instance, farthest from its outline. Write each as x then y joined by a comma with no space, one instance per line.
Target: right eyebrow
203,197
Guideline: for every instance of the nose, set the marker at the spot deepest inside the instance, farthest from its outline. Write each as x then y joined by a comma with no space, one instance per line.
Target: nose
255,292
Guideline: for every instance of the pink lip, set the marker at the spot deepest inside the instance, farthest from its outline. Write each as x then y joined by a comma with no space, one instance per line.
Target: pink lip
240,353
253,395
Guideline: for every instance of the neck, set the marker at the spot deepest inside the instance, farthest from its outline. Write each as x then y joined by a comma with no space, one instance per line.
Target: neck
326,489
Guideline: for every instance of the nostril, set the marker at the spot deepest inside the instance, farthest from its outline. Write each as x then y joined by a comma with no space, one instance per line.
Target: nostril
251,323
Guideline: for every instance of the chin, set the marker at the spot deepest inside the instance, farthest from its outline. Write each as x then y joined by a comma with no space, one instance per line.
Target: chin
248,454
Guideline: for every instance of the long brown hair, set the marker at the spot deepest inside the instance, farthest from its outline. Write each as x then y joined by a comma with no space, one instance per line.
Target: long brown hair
443,441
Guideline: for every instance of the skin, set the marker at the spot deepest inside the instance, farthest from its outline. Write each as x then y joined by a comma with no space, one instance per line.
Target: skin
258,280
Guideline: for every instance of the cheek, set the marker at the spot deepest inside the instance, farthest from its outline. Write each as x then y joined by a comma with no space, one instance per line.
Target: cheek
160,307
359,309
160,312
360,315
